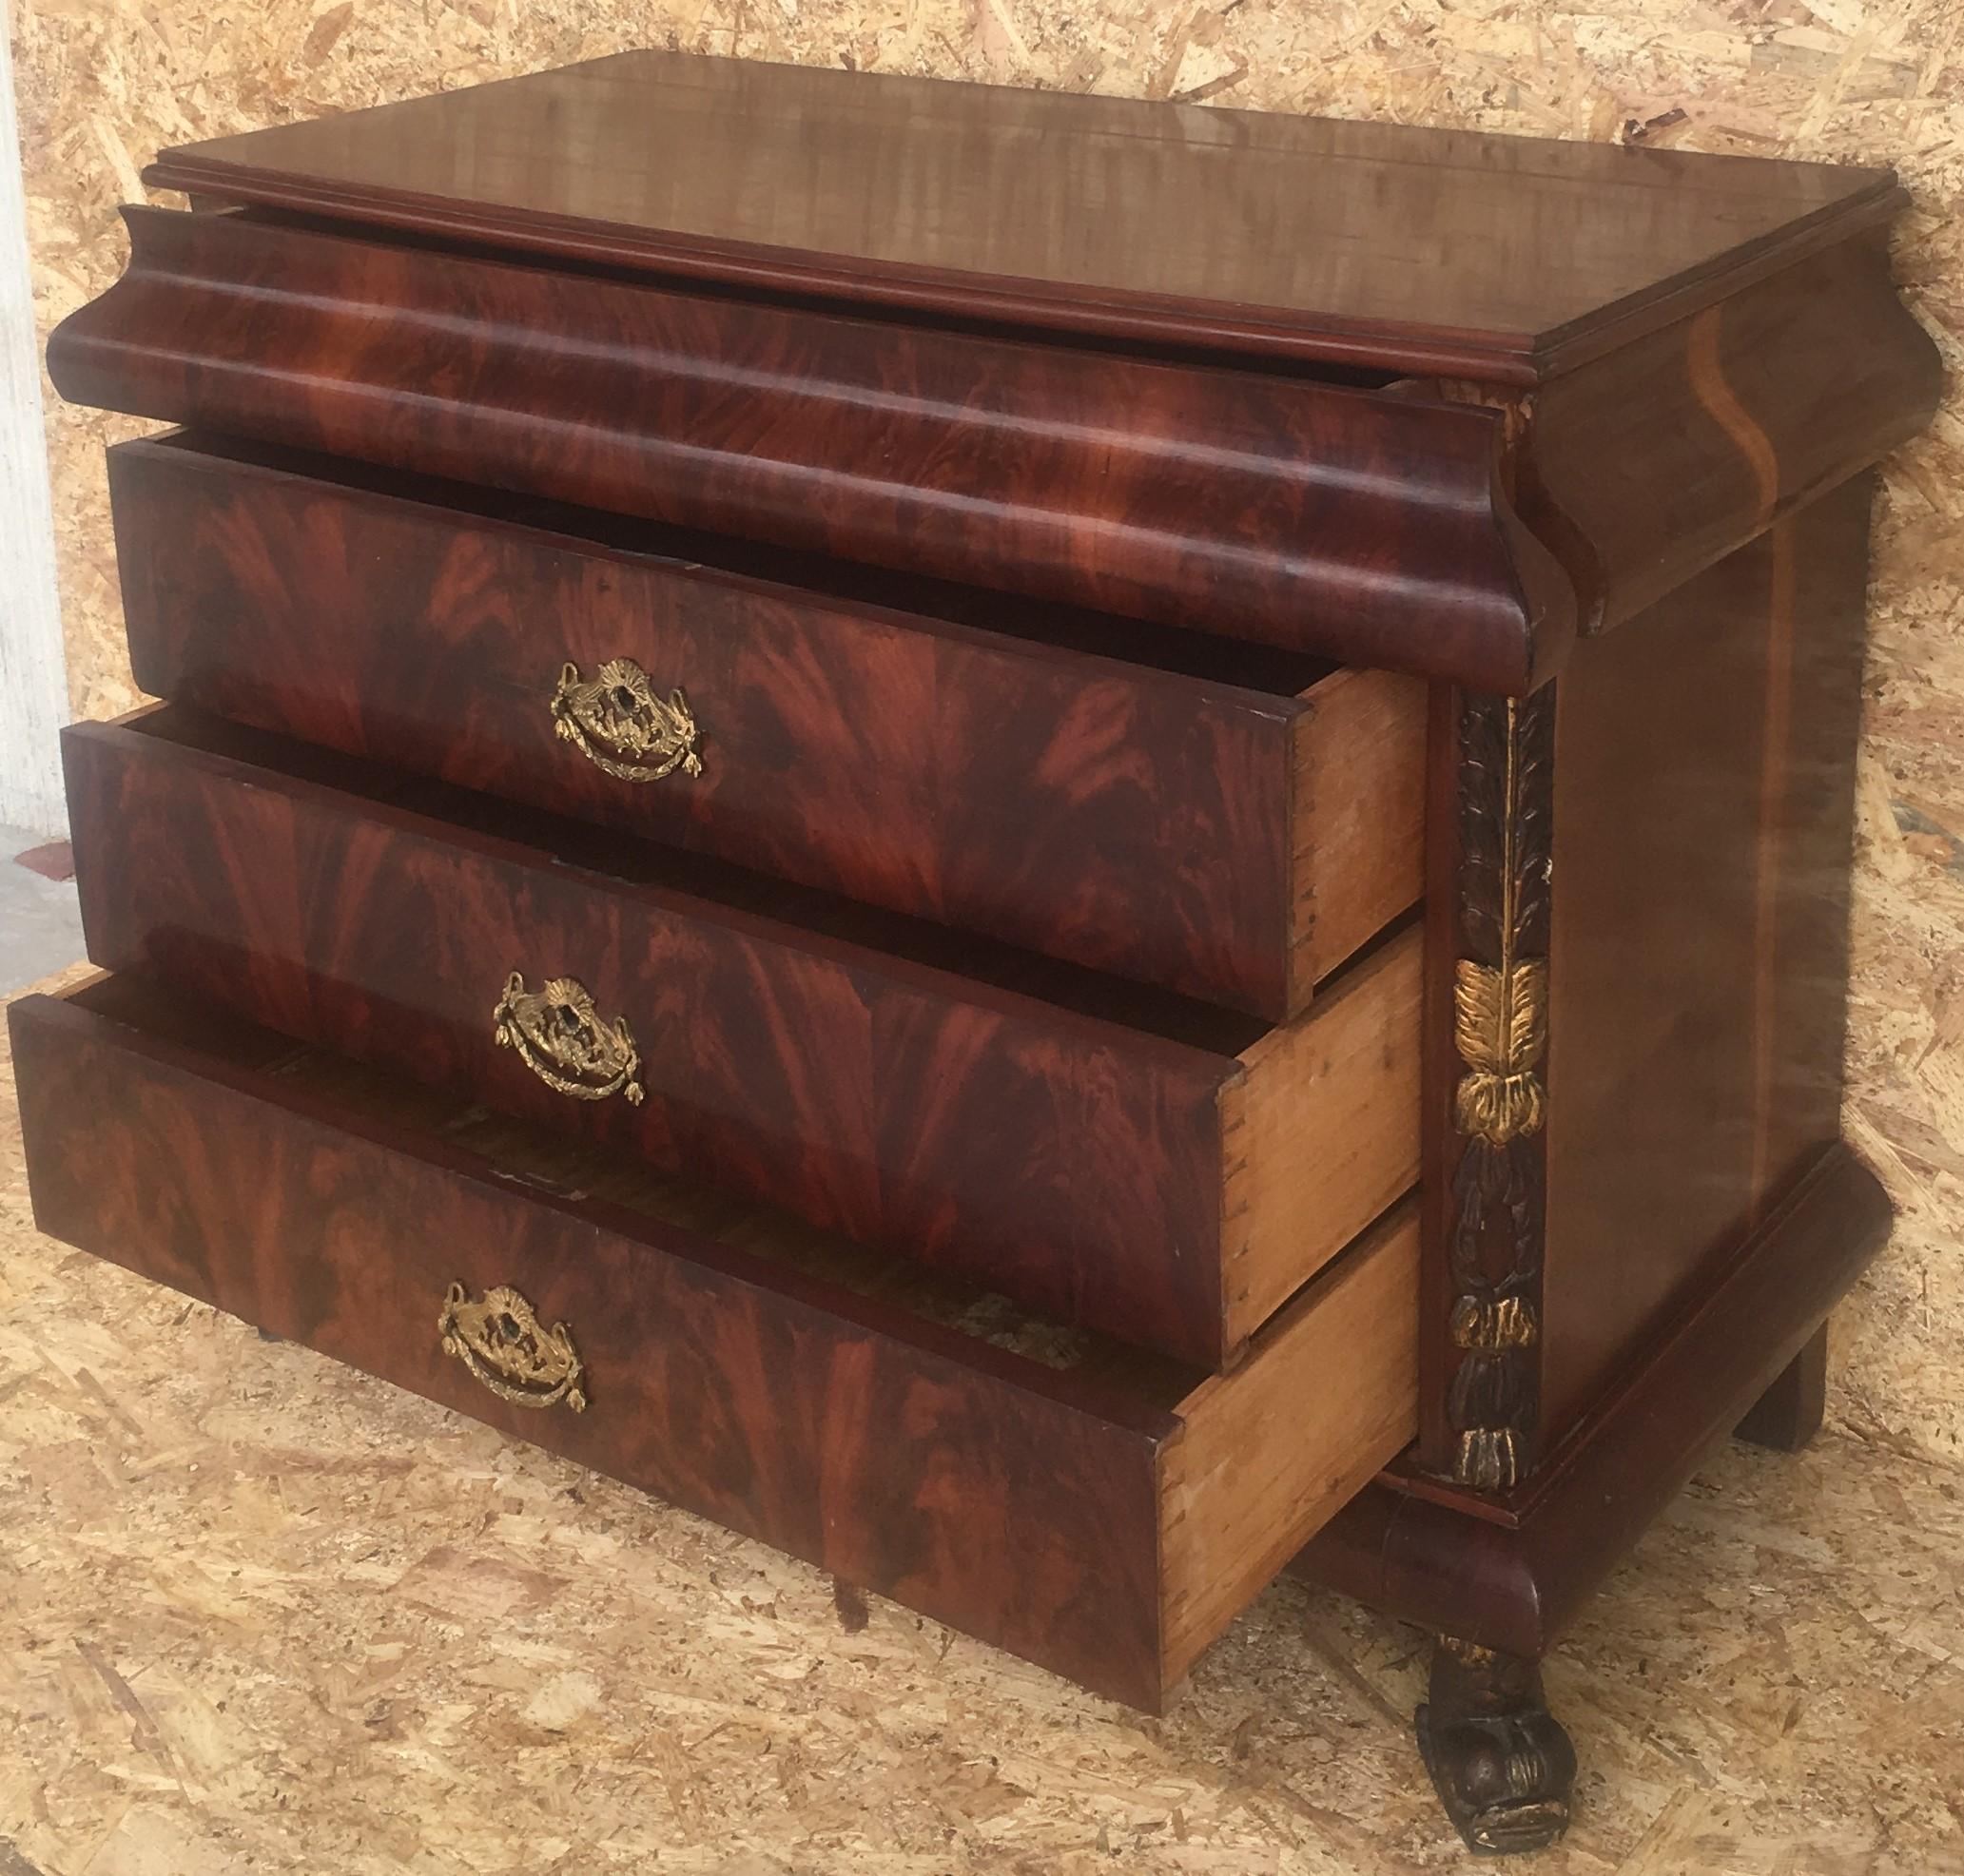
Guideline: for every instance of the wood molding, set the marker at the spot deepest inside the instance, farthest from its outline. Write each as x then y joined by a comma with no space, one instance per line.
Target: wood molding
1646,466
1486,1095
1509,1574
1520,300
1103,481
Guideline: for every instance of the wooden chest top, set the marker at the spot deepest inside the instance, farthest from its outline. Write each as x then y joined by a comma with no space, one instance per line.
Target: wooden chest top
1391,247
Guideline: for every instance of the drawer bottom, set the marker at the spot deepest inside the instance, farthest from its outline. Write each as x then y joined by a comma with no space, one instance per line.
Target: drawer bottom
1100,1511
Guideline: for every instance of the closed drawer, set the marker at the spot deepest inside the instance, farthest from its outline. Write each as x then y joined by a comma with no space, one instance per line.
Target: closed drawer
1101,1513
1162,1171
1374,527
1224,820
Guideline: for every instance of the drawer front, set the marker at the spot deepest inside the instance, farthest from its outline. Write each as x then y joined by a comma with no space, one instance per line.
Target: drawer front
1371,528
1229,844
1081,1164
901,1454
857,1446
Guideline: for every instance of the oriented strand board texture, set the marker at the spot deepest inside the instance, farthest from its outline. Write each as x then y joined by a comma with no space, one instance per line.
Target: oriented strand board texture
259,1614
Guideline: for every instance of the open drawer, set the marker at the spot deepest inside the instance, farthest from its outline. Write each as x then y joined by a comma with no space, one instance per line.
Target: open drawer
1098,1510
1225,819
1129,1161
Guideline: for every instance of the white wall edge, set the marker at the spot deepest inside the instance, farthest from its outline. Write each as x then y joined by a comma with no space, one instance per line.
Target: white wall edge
33,676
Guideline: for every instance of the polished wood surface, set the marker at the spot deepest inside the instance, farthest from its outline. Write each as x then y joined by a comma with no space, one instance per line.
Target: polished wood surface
1448,530
1270,507
976,760
1094,1511
1679,845
1704,778
1074,1142
902,1456
1419,250
1655,462
937,431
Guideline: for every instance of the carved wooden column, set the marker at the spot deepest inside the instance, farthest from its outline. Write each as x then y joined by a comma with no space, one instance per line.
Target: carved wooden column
1503,1765
1494,1201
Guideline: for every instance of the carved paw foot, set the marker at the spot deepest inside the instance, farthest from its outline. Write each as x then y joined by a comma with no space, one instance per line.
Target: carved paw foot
1501,1764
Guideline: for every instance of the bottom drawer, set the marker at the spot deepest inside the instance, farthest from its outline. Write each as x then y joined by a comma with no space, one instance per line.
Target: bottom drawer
1100,1511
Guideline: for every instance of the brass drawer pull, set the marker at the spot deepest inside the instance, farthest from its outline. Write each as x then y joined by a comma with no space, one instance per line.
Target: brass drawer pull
620,725
500,1340
561,1039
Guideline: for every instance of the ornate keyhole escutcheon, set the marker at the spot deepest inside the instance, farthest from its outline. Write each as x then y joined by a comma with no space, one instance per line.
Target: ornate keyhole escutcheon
616,721
509,1351
562,1038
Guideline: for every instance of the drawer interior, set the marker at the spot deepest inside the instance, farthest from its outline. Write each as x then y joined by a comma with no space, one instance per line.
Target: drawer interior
1233,1474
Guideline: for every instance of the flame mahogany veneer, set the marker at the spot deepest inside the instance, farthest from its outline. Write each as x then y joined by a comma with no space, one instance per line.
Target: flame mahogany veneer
1227,821
738,1362
1130,485
789,692
1078,1144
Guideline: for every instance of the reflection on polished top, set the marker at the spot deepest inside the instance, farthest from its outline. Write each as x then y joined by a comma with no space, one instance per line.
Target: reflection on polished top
1391,246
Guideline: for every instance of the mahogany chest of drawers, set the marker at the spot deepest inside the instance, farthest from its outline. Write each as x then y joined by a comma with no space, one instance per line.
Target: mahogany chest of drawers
1056,849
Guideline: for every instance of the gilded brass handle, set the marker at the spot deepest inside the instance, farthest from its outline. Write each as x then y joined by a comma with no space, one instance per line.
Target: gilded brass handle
621,726
562,1040
500,1340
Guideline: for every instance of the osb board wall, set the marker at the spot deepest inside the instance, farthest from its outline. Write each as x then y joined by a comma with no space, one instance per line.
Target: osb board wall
104,83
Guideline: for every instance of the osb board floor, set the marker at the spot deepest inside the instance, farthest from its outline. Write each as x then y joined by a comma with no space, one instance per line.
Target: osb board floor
261,1614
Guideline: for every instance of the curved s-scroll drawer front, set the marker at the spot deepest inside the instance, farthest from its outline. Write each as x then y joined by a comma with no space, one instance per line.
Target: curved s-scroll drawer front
1230,842
1369,529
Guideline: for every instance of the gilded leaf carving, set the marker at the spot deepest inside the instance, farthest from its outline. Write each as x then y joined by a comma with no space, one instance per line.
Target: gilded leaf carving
1488,1458
1500,1037
1491,1326
1499,1029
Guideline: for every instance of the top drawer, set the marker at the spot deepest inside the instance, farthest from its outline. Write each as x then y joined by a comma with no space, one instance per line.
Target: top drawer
1365,525
1226,820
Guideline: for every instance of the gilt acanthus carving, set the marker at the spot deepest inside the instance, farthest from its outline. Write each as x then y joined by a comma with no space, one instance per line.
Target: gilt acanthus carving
1500,1102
